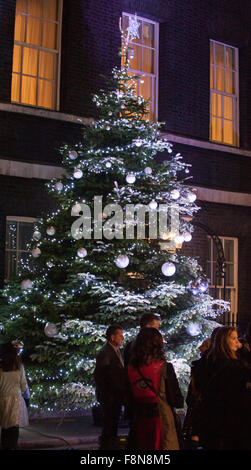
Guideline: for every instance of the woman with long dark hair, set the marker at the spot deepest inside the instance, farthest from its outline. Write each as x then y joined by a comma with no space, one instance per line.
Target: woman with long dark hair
155,391
224,407
12,383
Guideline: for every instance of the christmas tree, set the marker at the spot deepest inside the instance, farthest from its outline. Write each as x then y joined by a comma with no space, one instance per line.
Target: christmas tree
108,253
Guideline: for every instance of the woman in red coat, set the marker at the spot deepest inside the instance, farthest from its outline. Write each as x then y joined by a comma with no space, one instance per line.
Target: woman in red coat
155,391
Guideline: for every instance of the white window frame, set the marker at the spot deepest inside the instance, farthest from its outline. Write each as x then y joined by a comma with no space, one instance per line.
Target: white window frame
233,289
154,76
7,250
57,52
235,96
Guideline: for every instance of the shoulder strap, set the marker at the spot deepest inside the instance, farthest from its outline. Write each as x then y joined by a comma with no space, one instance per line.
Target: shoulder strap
147,382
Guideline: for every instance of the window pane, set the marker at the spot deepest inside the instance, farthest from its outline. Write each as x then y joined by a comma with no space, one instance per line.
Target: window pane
34,30
229,250
211,53
228,132
49,35
148,60
46,65
30,61
45,93
19,34
219,54
228,107
35,7
230,77
219,79
15,87
135,57
25,235
211,76
11,235
216,129
229,275
21,5
145,87
50,9
148,34
230,57
16,67
216,104
10,265
28,92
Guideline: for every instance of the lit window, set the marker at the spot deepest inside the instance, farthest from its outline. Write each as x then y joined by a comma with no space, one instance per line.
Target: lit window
19,232
230,248
224,114
143,60
36,58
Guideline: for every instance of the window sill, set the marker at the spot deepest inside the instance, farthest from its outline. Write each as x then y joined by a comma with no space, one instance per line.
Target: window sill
44,113
205,144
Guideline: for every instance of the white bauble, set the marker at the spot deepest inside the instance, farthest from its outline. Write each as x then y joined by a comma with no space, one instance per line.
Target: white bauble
108,164
36,252
193,329
82,253
175,194
77,173
191,197
130,178
59,186
76,208
153,205
168,269
26,284
51,231
148,170
138,142
73,154
187,236
122,261
36,235
50,330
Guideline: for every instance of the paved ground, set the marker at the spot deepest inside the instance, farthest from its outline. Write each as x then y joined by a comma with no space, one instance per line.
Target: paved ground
55,433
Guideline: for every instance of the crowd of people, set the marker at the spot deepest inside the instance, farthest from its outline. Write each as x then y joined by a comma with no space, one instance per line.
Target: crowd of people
218,415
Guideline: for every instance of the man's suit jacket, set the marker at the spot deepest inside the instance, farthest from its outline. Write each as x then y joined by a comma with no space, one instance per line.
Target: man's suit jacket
109,376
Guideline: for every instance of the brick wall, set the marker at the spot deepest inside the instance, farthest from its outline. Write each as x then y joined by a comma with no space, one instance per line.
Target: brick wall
228,221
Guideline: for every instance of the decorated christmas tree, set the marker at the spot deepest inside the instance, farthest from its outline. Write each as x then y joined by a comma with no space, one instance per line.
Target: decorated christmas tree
109,252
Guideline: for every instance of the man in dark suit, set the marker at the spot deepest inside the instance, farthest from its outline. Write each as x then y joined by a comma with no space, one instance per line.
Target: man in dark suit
109,377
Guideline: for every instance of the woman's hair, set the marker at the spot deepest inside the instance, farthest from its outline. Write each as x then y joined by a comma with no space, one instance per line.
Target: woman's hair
220,348
148,348
10,359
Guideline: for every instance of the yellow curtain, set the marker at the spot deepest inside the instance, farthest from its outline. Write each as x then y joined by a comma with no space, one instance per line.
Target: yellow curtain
223,80
34,69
